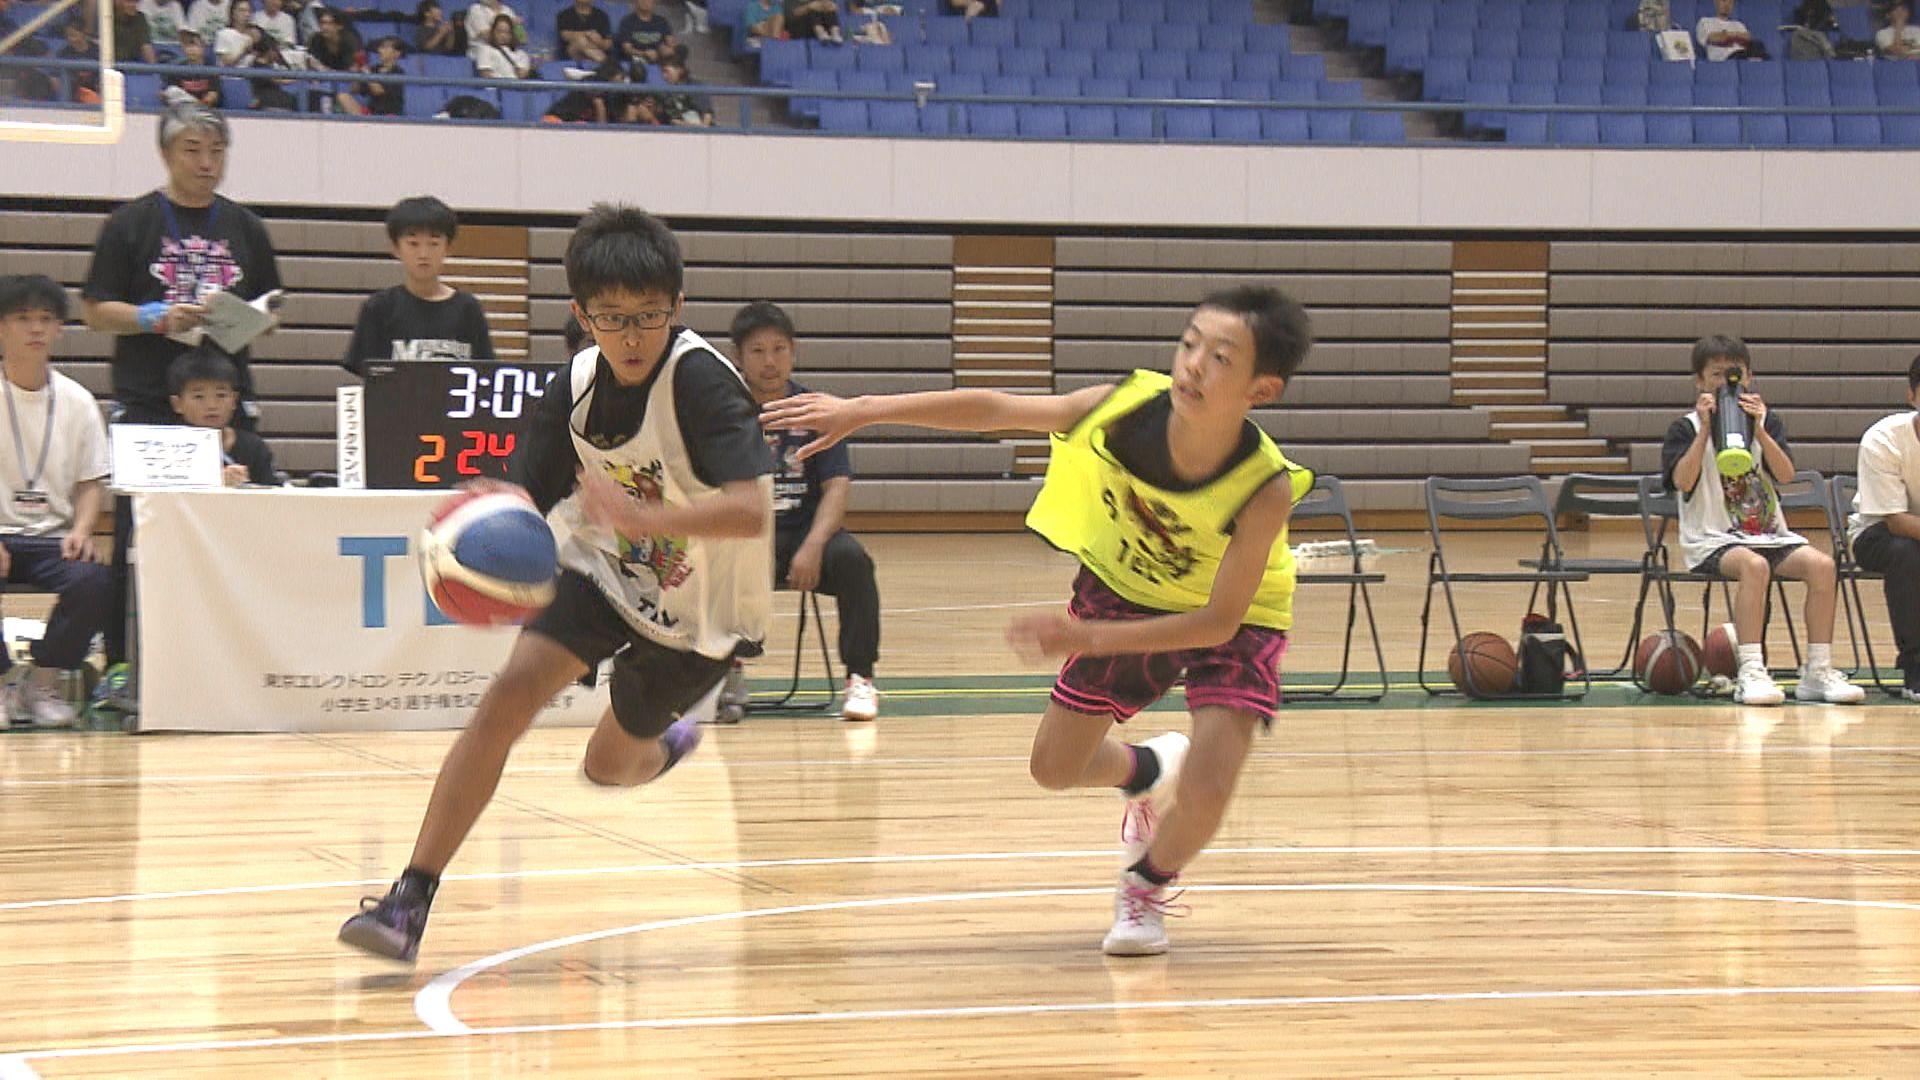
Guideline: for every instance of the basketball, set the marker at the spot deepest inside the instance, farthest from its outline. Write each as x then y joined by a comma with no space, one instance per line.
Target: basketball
488,559
1667,662
1494,664
1718,655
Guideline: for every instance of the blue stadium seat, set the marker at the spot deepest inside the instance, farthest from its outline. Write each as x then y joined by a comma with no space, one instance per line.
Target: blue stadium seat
1717,75
1250,90
1852,78
1810,130
1544,70
1622,129
966,84
1716,130
940,119
1763,130
1900,130
1130,37
1445,79
1040,35
947,32
1220,39
1107,11
1762,74
1210,66
1091,122
1266,38
1379,127
1805,73
1042,121
1190,125
1856,131
1019,86
1497,43
997,33
976,60
1490,69
1175,38
863,81
1143,11
802,80
1808,95
1577,94
1134,123
1304,66
1200,89
1296,90
1342,90
236,95
1089,36
1409,49
1575,129
993,121
824,57
1895,77
883,60
1527,129
1230,12
1072,63
1117,65
1256,66
1056,86
1543,16
1583,69
1670,75
928,60
1163,66
1719,97
1753,96
1895,96
1151,88
1333,127
1855,22
1623,94
1670,94
1236,125
1450,41
1854,96
1628,43
1668,129
1030,62
893,118
1500,18
1282,126
1108,89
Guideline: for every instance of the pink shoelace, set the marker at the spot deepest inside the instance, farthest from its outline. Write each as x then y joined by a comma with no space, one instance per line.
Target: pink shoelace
1137,902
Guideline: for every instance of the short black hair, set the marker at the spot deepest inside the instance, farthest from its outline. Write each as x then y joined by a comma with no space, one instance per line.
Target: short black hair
422,213
1282,332
32,292
623,248
205,363
1720,346
575,336
757,316
1913,375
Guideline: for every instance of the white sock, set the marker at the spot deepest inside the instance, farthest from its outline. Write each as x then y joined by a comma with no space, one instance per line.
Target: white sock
1750,654
1819,657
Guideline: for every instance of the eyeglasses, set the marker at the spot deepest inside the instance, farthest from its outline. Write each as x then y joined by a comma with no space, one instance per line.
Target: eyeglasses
612,322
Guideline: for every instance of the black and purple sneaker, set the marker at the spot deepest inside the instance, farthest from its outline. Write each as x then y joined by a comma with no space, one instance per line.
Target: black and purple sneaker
390,926
681,739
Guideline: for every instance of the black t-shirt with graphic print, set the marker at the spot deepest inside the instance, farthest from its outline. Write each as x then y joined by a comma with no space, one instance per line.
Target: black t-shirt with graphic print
395,325
140,258
719,423
798,485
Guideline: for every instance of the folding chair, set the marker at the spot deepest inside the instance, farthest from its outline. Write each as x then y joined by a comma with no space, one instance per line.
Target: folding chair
795,700
1843,490
1507,499
1328,500
1599,495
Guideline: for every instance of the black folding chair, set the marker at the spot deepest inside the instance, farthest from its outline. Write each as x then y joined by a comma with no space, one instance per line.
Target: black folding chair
796,700
1595,495
1843,490
1507,499
1329,500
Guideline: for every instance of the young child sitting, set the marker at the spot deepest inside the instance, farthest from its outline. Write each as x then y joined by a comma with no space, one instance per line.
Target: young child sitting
204,389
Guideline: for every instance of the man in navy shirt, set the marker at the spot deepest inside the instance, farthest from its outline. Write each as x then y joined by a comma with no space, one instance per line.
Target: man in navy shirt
811,552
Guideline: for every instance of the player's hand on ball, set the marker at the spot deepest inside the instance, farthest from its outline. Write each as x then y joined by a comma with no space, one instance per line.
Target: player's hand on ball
608,504
1041,637
831,418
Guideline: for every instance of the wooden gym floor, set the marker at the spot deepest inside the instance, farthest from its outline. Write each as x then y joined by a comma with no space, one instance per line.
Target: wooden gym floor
1634,886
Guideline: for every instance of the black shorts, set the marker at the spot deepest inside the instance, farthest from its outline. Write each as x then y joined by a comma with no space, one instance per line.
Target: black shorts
1774,556
652,684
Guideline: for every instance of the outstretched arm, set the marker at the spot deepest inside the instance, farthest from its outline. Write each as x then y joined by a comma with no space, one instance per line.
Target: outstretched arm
948,410
1255,532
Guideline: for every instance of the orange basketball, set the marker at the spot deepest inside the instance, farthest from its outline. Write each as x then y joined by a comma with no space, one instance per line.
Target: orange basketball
1718,655
1494,664
1667,662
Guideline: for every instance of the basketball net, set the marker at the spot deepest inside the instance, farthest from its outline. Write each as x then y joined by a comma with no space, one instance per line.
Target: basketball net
113,87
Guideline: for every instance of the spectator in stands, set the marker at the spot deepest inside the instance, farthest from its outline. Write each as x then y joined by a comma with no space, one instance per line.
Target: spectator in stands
204,89
812,553
1653,16
585,32
132,41
382,98
499,57
164,19
424,318
434,35
52,488
271,95
1898,40
763,19
333,47
480,19
593,106
973,9
274,22
202,390
208,18
1734,528
1885,526
819,19
684,108
157,259
233,45
79,45
1725,37
646,36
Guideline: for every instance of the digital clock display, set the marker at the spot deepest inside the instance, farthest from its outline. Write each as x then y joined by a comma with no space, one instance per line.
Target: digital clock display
433,425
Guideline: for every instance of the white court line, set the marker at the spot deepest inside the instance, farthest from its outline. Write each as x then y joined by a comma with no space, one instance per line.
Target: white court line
960,857
957,857
18,1061
433,1004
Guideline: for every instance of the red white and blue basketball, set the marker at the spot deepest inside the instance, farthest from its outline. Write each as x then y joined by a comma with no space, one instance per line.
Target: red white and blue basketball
488,559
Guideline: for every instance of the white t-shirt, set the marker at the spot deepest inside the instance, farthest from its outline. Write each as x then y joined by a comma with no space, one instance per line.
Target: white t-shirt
232,47
480,22
76,452
1744,510
164,20
209,17
1884,39
1889,470
1709,26
493,62
278,27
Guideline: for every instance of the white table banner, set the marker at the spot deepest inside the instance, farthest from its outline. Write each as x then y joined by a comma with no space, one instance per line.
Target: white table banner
302,610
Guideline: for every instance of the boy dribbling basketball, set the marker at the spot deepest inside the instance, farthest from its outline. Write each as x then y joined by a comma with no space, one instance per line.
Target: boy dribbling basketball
649,461
1176,505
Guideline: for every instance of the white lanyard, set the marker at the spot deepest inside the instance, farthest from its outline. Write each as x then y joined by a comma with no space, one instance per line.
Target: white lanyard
32,482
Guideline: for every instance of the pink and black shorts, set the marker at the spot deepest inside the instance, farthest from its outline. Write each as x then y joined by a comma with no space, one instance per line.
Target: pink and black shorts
1243,674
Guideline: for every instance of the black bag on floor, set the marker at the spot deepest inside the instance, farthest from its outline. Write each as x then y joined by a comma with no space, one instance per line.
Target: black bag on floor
1546,659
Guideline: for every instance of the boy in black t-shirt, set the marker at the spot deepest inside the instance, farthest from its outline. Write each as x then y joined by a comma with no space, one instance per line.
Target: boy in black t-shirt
424,319
203,394
584,32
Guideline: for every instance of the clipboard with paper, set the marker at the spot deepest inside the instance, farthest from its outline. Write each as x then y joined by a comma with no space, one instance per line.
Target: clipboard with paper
230,322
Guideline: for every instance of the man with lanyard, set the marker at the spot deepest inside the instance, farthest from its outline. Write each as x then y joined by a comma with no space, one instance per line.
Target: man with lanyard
157,259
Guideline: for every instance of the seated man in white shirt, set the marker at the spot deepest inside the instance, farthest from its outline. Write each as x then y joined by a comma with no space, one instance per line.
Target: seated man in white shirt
53,468
1898,40
1725,37
1885,527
